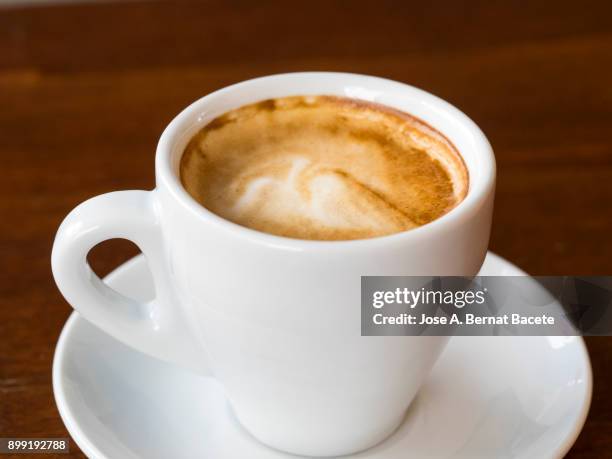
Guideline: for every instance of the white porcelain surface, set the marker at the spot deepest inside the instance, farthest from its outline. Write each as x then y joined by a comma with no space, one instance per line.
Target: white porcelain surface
502,397
273,317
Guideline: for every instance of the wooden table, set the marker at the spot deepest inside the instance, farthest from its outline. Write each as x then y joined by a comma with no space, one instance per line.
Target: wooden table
85,91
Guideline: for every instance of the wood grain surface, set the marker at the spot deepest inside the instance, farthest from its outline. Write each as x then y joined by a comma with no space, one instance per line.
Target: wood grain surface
86,89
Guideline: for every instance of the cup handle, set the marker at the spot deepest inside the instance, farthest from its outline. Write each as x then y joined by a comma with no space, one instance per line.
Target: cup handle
158,327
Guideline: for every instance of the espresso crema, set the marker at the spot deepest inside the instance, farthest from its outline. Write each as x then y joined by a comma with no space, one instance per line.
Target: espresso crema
323,168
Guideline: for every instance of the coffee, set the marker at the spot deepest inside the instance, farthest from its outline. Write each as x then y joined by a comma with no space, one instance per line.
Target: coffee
323,168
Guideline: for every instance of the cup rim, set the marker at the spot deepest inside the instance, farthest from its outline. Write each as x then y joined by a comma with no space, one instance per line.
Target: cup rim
478,190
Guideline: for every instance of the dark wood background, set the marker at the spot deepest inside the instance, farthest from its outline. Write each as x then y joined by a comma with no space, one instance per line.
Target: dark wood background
85,91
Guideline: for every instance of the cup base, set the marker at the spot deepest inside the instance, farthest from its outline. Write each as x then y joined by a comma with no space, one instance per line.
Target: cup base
331,446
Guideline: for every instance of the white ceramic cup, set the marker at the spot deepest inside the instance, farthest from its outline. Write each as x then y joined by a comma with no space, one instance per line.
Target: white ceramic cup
277,320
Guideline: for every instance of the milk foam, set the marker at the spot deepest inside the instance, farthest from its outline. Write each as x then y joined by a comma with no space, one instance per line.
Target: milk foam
323,168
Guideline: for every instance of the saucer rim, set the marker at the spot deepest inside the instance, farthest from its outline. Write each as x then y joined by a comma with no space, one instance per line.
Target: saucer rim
88,447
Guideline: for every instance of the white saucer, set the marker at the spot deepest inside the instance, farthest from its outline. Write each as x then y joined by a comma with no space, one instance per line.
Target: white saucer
503,397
